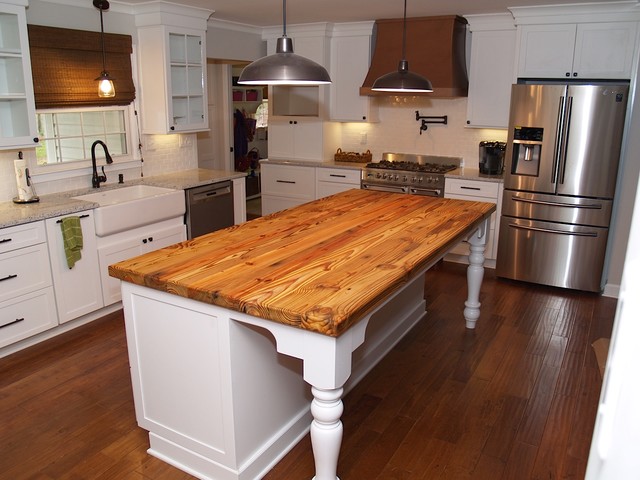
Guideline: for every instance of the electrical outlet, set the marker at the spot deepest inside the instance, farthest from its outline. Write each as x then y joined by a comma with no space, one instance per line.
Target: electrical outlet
363,138
150,143
186,141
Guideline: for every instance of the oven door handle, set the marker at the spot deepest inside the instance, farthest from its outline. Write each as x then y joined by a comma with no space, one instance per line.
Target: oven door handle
385,188
425,192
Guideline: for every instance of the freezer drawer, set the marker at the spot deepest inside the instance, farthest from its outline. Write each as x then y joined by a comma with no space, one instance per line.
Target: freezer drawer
556,208
568,256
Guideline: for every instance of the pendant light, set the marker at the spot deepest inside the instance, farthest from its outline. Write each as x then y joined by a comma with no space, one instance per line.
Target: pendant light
284,67
105,82
402,80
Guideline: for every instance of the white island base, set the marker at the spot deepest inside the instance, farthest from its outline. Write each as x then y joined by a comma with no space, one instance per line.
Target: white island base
225,395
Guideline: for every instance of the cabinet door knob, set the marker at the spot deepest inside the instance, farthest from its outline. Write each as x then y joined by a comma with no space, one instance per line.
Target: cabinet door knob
36,139
567,74
575,74
144,240
173,128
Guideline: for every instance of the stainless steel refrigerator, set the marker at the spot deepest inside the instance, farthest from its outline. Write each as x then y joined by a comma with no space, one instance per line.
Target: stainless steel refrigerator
561,166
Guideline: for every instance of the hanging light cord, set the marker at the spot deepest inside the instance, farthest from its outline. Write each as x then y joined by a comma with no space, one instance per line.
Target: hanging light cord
284,18
404,32
104,61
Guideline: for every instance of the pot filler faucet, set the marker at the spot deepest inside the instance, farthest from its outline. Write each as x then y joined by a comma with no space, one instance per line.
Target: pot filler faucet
96,179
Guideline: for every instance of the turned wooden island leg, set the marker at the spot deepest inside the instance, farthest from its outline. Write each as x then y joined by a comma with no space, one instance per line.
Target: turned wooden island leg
326,431
475,273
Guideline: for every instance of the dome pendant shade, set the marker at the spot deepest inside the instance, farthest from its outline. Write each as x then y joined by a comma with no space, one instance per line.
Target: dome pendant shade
284,68
402,81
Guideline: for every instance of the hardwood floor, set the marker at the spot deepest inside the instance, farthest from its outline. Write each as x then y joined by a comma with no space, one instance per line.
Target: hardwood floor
514,399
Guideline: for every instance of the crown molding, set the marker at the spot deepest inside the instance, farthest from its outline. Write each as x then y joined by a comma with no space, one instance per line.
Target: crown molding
577,13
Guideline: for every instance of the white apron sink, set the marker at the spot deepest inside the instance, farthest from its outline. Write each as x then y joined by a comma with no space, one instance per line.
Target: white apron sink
130,207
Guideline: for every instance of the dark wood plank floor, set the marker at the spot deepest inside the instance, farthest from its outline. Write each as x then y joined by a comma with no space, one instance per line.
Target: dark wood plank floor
514,399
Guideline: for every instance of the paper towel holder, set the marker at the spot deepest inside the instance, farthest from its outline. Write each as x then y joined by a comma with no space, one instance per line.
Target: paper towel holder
29,195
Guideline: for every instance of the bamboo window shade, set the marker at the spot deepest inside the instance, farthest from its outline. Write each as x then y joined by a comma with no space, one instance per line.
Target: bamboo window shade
65,64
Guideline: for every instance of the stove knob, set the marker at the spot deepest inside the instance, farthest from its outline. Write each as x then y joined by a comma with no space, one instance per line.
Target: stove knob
413,179
404,178
420,180
377,175
395,177
430,179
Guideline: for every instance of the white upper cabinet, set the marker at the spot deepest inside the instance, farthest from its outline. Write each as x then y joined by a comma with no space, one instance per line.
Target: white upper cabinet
491,72
17,104
604,50
303,139
173,75
588,41
350,58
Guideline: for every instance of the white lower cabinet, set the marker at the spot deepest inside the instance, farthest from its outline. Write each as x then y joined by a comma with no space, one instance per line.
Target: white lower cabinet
482,191
78,290
27,305
335,180
286,186
122,246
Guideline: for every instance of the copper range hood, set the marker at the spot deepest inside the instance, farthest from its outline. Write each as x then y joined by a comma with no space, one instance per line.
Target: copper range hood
435,49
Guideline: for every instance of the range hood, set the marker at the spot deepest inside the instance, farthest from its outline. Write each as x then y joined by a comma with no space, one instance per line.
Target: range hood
435,49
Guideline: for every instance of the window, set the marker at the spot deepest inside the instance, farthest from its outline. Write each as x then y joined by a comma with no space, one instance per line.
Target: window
66,135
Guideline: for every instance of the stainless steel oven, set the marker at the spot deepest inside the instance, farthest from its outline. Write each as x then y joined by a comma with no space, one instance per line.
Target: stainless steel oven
409,174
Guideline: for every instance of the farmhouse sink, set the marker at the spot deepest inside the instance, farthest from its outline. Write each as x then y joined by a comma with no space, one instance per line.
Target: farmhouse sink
135,206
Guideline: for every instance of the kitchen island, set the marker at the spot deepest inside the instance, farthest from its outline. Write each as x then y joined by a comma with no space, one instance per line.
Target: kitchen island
224,330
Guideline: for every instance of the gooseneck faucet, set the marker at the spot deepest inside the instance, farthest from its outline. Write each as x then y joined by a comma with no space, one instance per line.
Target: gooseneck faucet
96,179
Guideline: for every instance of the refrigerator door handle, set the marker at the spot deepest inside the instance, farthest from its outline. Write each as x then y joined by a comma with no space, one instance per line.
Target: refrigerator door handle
550,230
565,148
593,206
557,147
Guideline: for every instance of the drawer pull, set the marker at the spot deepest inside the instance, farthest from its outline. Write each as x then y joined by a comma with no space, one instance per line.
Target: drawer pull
286,181
338,176
17,320
81,216
8,277
5,240
470,188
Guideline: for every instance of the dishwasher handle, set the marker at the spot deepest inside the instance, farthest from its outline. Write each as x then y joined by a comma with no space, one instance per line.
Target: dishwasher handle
207,195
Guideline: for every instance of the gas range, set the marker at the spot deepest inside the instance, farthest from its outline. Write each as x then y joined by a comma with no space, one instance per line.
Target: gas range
408,173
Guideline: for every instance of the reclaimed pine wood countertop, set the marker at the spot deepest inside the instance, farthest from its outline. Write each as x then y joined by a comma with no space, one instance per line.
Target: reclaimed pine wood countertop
320,266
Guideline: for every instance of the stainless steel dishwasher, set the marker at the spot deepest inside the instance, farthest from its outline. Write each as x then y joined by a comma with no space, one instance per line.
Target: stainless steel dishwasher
209,208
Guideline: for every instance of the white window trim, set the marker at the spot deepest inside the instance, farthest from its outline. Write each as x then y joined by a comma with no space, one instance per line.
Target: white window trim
79,168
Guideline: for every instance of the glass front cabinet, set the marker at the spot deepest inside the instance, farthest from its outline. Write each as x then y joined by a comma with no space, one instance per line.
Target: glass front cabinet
173,78
17,104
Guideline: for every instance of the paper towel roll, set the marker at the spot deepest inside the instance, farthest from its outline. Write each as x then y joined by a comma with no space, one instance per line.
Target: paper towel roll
24,191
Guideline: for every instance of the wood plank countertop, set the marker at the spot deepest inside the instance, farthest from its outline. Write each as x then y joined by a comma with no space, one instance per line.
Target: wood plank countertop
320,266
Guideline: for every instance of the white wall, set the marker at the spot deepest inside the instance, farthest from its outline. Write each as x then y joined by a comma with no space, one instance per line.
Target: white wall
398,130
231,41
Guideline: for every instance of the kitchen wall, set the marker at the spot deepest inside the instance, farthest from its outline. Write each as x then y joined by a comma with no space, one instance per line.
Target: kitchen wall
161,154
398,130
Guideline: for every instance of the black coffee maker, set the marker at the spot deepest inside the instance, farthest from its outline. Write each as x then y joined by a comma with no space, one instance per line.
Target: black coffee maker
492,157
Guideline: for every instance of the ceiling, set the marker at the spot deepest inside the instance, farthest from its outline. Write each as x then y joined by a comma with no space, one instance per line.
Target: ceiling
269,12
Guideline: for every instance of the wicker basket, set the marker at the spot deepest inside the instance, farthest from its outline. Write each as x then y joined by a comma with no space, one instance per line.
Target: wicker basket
352,157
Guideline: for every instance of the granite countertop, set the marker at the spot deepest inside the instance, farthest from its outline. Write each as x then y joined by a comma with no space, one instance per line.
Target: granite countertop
473,174
319,266
56,204
462,173
301,163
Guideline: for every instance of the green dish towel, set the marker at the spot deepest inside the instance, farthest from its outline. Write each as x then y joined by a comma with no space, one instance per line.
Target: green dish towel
72,239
